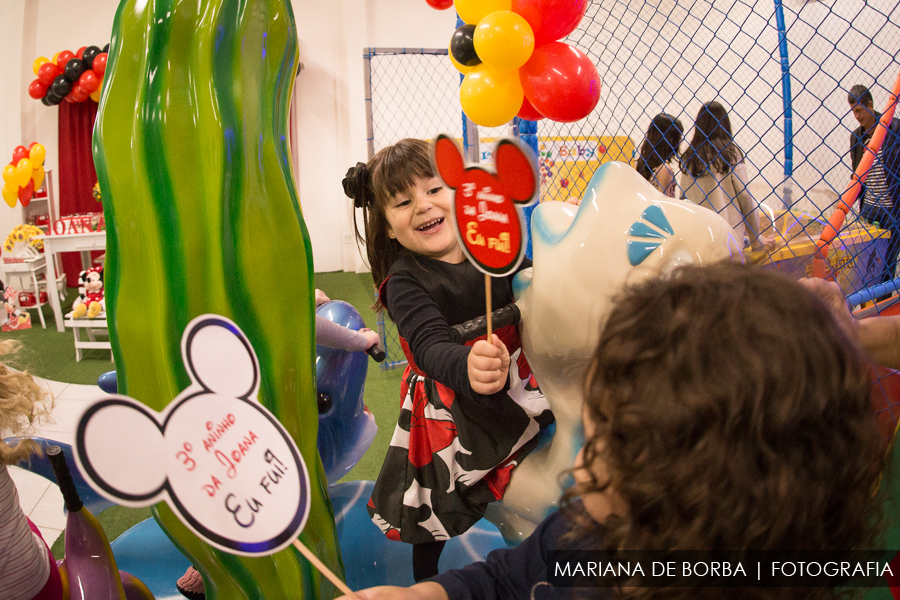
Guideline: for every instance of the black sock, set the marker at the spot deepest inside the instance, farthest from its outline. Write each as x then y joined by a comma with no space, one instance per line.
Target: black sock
425,559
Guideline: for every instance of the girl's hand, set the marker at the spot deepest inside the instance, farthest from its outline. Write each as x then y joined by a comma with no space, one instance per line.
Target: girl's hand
372,338
321,298
831,293
488,366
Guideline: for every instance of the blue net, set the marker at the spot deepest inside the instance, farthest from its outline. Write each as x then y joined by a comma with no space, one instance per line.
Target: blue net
782,72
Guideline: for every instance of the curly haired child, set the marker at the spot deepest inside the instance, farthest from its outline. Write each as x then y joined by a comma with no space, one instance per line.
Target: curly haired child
725,410
27,568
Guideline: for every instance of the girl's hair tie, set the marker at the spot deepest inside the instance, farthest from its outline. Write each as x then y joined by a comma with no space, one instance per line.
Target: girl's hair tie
357,185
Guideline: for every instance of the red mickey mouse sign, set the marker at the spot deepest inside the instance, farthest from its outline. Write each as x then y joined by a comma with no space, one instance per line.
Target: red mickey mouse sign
486,205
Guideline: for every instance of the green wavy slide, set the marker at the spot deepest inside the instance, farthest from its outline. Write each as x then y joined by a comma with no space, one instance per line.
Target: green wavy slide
202,215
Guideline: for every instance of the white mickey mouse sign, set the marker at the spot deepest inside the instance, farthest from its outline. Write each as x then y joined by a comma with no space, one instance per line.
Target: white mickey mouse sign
220,459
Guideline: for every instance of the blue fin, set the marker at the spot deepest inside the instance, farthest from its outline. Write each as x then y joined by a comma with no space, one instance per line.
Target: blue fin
655,215
641,230
639,251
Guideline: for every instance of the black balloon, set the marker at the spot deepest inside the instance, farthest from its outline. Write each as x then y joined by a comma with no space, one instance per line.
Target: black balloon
106,48
74,68
61,86
88,56
46,101
462,46
51,98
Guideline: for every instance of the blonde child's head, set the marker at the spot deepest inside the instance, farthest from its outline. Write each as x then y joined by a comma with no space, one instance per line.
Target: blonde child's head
726,410
22,403
393,170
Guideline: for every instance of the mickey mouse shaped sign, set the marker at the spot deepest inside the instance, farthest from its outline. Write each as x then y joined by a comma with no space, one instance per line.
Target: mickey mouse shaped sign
221,460
486,205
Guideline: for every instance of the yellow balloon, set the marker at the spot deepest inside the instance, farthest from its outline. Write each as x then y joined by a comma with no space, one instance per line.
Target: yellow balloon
9,174
459,66
95,95
36,65
504,40
38,177
10,195
36,155
23,172
489,98
473,11
55,56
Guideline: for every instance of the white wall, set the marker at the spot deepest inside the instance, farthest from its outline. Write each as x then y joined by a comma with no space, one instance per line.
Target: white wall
329,107
12,16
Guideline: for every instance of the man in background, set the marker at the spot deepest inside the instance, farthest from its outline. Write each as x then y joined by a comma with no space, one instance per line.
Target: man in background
880,196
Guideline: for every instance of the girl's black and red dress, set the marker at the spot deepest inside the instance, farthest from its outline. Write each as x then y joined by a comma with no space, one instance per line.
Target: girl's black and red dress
453,450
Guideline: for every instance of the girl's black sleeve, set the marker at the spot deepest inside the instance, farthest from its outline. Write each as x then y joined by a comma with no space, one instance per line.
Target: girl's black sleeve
427,332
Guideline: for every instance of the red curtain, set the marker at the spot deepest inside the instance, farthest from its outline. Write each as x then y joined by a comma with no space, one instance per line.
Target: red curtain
76,172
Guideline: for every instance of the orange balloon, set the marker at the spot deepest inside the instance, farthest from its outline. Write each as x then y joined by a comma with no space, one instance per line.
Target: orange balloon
504,40
36,65
23,172
38,177
491,98
10,195
36,155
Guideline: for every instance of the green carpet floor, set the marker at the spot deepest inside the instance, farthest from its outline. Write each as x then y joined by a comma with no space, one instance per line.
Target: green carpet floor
51,355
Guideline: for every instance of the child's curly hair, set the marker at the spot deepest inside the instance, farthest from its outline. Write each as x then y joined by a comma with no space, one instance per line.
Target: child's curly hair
22,403
732,413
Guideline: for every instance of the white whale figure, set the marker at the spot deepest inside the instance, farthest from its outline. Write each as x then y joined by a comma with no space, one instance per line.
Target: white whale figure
623,231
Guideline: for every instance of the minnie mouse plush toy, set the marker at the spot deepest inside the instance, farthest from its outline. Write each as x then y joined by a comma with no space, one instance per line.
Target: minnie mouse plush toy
91,302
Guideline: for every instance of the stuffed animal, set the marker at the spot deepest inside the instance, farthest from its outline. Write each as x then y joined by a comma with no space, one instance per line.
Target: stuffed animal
91,302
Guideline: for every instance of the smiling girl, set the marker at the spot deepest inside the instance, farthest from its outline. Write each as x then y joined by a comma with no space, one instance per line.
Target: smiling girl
466,417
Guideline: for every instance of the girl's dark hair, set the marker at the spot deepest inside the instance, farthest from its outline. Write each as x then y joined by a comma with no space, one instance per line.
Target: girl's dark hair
712,147
731,412
660,144
392,170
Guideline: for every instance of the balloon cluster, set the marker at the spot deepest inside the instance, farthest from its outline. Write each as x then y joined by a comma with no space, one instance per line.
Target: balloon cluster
24,174
514,66
71,77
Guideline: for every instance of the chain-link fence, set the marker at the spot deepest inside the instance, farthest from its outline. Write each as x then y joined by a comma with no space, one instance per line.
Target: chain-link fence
782,69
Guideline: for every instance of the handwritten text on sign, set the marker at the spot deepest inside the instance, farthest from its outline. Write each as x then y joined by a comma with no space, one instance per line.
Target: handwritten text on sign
485,206
221,460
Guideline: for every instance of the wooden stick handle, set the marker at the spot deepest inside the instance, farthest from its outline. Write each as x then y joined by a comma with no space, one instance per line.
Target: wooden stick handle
487,295
323,569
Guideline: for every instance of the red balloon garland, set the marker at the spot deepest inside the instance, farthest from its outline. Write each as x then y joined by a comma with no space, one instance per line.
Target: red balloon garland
73,77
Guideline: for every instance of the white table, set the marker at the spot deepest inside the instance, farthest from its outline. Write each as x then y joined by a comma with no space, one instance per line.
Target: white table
72,242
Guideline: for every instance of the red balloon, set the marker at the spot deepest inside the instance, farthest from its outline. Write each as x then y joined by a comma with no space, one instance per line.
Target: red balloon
25,193
550,19
99,64
89,81
31,145
440,4
48,72
529,112
37,89
79,94
64,57
19,153
80,52
561,82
